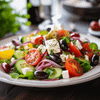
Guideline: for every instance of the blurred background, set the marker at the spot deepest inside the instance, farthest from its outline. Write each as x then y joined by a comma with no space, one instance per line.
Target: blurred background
22,16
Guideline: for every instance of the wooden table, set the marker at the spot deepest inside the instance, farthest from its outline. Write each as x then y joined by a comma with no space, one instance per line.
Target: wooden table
84,91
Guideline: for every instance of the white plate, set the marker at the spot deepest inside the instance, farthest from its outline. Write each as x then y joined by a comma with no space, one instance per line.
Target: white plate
92,74
96,33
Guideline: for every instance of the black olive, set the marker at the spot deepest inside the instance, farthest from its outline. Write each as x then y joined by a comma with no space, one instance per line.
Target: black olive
94,60
55,58
40,75
63,45
48,29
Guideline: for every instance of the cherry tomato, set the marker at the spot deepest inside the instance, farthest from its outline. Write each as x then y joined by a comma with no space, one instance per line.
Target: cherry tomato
38,40
74,50
33,57
89,54
73,67
63,33
87,50
86,47
94,25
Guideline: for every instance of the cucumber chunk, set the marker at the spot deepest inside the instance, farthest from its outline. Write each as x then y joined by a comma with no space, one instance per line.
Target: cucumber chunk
57,73
21,64
18,54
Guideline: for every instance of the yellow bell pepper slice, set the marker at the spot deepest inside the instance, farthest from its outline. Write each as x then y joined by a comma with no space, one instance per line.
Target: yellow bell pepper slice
6,53
30,45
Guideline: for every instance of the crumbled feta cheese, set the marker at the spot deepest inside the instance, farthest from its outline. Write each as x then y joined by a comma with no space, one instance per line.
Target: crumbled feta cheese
42,48
63,57
82,39
12,59
65,74
26,69
86,57
27,38
78,45
71,56
26,47
52,44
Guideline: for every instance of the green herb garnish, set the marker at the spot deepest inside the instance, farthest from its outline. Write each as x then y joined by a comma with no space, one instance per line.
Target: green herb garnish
74,41
51,52
47,57
66,39
64,53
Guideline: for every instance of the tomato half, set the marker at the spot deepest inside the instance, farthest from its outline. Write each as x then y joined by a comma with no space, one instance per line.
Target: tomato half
73,67
38,40
33,57
74,50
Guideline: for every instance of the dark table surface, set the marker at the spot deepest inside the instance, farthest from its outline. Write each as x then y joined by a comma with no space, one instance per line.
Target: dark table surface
84,91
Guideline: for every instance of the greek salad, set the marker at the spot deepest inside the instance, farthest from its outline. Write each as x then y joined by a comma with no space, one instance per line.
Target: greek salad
49,55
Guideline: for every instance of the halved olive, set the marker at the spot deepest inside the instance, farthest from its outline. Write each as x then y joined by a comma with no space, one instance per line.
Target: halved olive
55,58
63,45
40,75
94,60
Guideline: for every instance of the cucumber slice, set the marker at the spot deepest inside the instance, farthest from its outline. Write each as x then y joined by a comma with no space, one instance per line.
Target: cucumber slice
57,73
18,54
24,39
22,64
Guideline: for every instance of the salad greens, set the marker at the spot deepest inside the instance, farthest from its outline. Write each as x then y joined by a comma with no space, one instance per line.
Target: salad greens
29,75
85,64
93,46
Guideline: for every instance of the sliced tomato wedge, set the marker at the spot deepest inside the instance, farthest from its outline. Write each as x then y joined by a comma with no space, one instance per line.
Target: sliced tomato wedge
73,67
34,57
88,51
38,40
86,47
74,50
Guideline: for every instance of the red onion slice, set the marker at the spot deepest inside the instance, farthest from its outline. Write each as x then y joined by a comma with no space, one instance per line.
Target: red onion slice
26,43
77,38
16,42
47,63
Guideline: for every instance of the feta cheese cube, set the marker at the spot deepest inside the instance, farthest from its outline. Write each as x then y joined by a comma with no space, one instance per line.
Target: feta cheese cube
52,44
78,45
86,57
63,57
42,48
26,69
65,74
